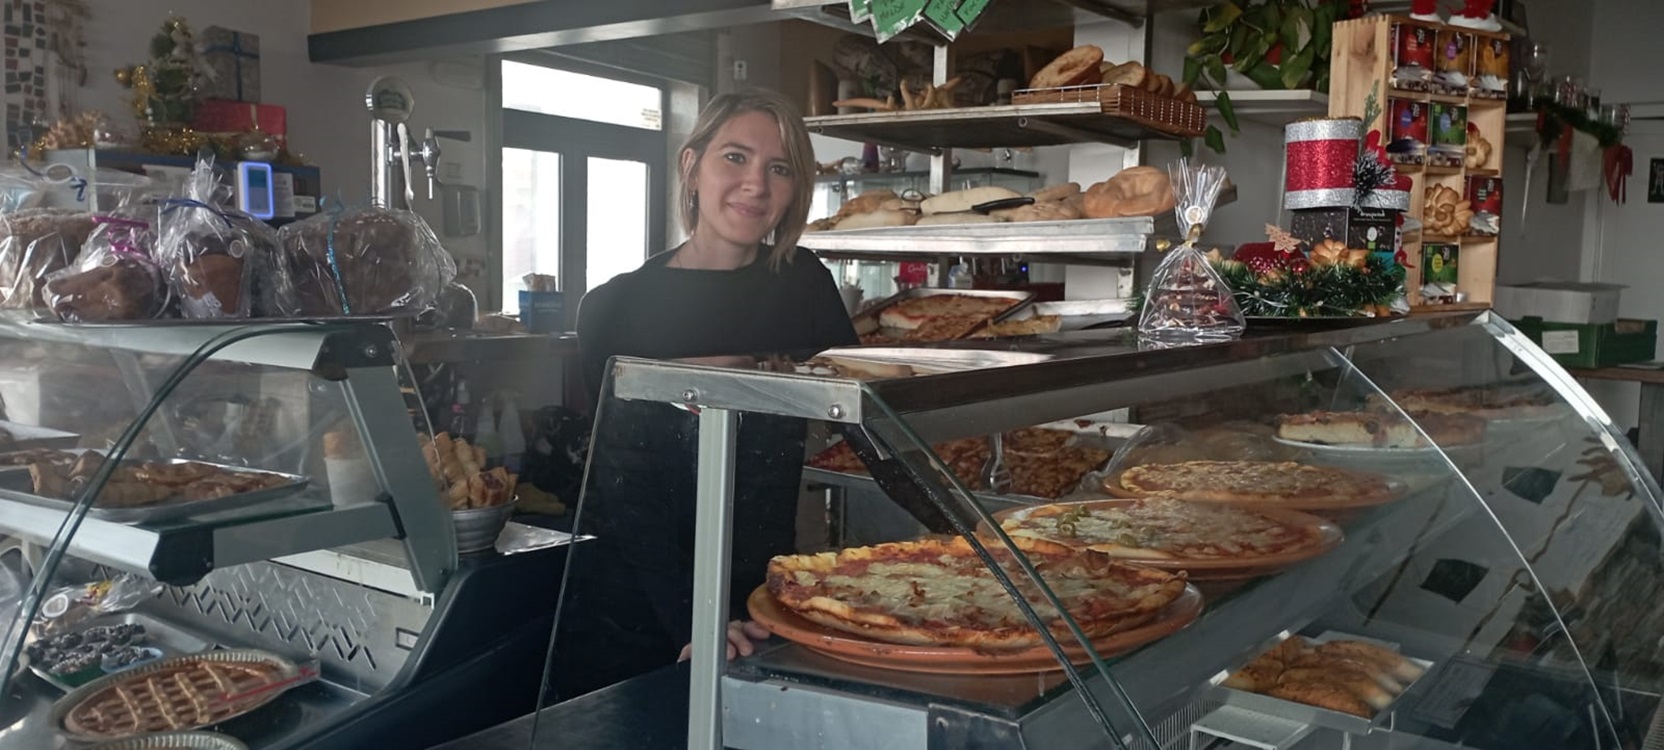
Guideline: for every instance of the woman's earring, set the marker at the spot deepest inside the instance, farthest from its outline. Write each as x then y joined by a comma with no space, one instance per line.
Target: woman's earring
693,200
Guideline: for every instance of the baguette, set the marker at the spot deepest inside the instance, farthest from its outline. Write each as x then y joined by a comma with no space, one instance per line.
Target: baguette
1056,192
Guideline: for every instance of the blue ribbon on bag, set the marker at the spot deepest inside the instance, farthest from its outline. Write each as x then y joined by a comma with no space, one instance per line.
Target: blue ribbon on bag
335,210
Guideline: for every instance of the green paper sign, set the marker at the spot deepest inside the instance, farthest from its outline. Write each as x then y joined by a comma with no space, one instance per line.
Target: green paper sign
891,17
944,15
860,10
971,10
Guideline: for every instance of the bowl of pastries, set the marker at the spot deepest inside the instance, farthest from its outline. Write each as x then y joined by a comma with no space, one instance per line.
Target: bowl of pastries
481,500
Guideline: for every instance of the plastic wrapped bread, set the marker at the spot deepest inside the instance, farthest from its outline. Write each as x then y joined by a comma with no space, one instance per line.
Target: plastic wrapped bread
366,261
34,244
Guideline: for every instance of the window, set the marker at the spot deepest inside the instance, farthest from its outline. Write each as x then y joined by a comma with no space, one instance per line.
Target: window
551,91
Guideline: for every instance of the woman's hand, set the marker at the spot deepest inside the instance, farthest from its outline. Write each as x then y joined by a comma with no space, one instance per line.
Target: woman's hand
740,637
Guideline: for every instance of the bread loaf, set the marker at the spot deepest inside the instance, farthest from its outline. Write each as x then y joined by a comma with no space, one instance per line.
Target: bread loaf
124,288
35,244
223,264
879,218
964,200
1135,191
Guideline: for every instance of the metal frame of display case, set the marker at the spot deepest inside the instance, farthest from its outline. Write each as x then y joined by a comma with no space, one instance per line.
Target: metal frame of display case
361,358
819,692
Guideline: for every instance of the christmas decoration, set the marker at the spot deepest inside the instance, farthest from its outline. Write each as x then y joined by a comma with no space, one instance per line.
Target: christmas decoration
85,130
165,87
1333,283
1470,14
1558,124
1320,153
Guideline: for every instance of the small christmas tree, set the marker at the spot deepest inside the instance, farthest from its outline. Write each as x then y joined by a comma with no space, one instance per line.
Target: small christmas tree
165,87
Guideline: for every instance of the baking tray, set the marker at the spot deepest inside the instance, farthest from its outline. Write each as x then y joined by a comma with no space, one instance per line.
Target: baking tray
15,484
26,436
1077,315
170,640
866,321
1312,715
61,709
932,361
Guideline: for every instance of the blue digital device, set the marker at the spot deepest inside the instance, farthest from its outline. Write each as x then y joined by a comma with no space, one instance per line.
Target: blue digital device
255,194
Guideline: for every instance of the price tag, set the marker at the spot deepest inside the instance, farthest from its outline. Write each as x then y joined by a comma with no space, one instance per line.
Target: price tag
971,10
860,10
891,17
944,15
1560,342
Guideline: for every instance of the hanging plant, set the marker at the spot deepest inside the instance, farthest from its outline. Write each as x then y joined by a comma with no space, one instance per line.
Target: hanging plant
1277,44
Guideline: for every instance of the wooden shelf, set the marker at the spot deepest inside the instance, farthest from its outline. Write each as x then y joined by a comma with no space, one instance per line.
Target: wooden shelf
1438,171
1484,173
1439,239
1271,107
1477,239
1452,307
1006,126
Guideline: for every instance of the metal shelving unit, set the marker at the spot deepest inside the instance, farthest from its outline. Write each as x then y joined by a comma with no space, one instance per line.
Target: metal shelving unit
1271,107
1008,125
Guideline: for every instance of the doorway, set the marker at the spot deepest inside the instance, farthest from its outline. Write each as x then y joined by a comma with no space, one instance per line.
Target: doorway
583,177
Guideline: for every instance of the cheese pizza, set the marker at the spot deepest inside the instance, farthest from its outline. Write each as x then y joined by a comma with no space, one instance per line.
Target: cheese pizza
1043,462
934,592
1170,531
1286,483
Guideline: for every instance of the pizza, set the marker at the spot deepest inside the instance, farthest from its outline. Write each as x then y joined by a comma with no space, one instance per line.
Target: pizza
937,592
1027,327
1166,530
1043,463
938,317
1286,483
1354,677
1501,401
1381,430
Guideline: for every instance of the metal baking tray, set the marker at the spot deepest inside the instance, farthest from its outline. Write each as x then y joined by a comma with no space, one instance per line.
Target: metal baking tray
866,321
175,741
170,640
1078,236
1078,315
932,361
15,484
26,436
287,667
1312,715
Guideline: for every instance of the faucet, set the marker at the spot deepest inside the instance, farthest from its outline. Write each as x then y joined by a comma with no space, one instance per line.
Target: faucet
430,152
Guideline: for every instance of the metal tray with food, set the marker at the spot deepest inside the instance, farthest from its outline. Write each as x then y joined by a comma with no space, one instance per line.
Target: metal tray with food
1378,700
869,320
201,690
1055,317
150,633
17,484
882,363
15,436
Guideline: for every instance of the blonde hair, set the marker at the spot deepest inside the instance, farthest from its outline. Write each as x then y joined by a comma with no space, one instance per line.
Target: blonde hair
800,158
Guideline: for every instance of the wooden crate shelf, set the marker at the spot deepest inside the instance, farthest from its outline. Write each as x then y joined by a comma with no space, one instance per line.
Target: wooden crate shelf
1360,70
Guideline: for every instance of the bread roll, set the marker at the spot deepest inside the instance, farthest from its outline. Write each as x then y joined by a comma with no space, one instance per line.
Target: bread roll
952,219
873,219
1076,67
1128,74
963,200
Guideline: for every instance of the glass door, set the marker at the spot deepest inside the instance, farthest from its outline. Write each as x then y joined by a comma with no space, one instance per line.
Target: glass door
583,178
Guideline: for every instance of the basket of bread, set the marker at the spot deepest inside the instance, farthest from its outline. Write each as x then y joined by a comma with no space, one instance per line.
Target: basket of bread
1127,90
481,500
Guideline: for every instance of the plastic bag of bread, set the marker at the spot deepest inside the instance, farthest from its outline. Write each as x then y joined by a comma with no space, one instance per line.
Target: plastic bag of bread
220,263
116,277
1187,301
365,261
34,244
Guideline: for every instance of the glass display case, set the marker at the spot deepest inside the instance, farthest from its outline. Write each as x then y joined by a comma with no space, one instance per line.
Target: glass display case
246,509
1415,533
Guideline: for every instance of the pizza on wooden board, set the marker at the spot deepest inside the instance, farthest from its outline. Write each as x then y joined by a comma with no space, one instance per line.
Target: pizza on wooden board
937,592
1161,529
1252,482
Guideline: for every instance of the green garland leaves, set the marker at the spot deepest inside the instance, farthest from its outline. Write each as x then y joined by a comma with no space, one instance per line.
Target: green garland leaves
1317,291
1555,118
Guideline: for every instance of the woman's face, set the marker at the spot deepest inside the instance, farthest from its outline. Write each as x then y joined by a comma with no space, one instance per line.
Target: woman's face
744,182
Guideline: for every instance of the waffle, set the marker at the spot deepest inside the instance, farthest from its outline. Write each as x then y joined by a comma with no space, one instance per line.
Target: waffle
177,695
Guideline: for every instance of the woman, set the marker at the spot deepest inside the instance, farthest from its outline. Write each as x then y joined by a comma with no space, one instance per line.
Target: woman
738,287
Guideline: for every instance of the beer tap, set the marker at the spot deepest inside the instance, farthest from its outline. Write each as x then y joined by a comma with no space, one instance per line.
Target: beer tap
390,102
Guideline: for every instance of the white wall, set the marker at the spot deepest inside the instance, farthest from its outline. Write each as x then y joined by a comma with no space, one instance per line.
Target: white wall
327,120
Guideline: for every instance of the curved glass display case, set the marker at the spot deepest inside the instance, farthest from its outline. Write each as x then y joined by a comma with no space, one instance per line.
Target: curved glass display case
1418,533
243,511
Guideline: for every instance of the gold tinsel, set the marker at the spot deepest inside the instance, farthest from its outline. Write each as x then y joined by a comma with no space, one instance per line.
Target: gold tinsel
176,141
77,131
137,78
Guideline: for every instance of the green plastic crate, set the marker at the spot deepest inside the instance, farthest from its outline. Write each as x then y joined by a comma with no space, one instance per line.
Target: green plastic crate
1594,344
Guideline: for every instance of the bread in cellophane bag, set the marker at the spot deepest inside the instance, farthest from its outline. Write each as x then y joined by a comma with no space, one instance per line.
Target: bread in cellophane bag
220,263
34,244
366,261
116,276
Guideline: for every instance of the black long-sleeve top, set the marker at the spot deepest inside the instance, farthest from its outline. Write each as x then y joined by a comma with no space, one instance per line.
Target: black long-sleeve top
634,585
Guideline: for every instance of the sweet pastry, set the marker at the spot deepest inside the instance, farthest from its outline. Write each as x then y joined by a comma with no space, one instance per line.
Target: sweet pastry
63,475
120,288
177,694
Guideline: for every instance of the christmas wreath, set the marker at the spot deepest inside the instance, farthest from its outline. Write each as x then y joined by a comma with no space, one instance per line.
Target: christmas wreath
1275,280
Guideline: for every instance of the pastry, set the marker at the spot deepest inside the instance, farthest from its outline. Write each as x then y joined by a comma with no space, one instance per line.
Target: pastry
1076,67
386,260
177,694
121,288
